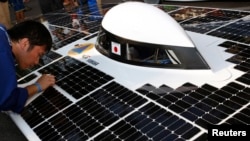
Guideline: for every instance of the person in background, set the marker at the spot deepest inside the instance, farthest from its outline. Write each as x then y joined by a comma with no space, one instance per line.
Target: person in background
26,8
5,14
50,5
69,4
23,44
19,8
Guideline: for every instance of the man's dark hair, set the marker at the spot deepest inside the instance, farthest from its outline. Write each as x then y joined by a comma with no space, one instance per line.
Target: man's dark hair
36,33
3,0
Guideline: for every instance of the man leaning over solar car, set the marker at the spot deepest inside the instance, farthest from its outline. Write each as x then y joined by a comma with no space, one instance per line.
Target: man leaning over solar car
23,44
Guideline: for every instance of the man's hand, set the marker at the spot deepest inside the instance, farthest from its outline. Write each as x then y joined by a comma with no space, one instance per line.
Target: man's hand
46,80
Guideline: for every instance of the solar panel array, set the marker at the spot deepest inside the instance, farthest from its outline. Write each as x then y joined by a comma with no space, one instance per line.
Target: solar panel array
211,20
64,29
76,77
96,107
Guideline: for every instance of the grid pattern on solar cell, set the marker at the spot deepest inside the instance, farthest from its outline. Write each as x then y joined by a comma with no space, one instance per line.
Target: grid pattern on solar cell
240,118
62,67
241,59
237,31
202,105
67,40
61,25
63,20
64,36
245,78
83,81
47,104
212,20
27,79
44,60
150,123
75,77
85,118
64,17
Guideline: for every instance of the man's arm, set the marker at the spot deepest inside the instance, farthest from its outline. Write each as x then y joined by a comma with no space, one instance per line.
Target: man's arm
45,81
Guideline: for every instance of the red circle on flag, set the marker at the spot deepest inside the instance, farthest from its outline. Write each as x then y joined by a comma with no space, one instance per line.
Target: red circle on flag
115,49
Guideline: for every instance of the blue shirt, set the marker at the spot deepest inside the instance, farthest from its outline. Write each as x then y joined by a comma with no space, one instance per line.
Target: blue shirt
12,97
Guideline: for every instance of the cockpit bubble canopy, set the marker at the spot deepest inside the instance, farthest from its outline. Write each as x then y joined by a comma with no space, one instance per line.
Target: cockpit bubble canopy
141,34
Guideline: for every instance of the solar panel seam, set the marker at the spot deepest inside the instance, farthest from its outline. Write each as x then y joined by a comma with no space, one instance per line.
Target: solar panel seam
244,80
119,120
237,111
27,78
225,18
51,116
171,110
198,89
217,29
62,129
246,111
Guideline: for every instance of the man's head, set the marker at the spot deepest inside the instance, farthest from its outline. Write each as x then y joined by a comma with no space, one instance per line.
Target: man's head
30,40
